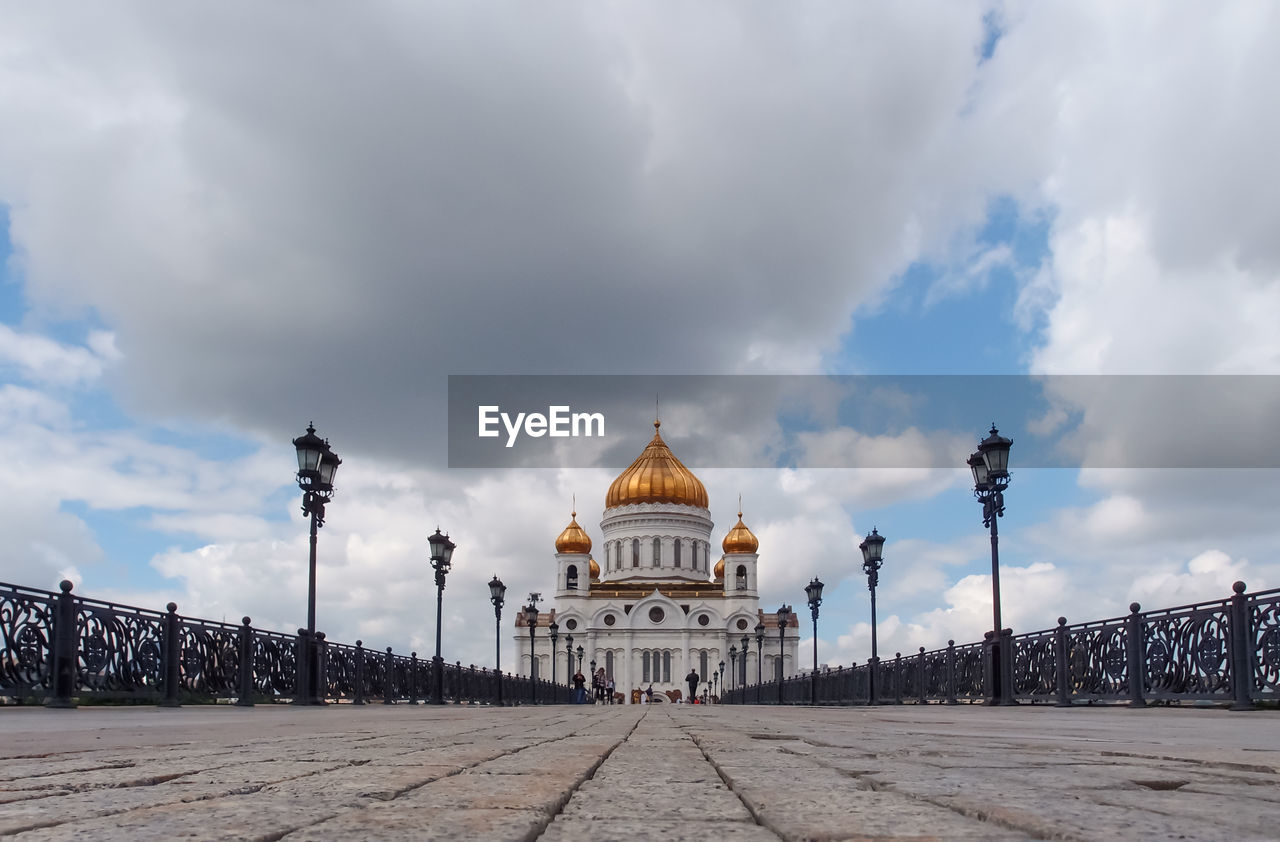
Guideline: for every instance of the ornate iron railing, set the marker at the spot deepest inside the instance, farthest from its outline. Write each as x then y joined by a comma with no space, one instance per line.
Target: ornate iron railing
1225,651
58,648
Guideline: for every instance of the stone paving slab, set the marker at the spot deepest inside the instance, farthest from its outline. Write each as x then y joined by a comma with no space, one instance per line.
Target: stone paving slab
666,830
394,823
662,772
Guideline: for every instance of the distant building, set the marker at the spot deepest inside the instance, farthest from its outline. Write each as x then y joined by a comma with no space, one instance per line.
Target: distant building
658,608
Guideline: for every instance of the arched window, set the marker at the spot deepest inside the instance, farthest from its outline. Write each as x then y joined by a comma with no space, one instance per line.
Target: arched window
694,562
635,552
571,578
742,577
657,552
777,669
677,552
702,664
608,664
666,667
644,663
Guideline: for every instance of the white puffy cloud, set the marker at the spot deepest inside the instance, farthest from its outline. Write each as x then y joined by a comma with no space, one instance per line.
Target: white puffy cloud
41,360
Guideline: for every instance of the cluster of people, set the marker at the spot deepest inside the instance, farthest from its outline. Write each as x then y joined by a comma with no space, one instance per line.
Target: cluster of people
602,688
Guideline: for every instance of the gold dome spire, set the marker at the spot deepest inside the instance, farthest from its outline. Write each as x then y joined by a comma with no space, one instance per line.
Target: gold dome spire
574,539
656,476
595,570
740,539
718,571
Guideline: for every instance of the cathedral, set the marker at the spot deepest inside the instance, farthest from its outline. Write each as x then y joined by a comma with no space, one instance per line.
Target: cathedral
655,606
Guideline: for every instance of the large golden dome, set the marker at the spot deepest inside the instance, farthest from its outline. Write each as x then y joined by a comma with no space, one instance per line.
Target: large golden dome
740,539
656,476
595,570
574,539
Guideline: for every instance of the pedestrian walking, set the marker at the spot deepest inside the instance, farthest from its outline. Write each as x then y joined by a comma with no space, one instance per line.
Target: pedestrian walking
597,684
609,688
692,680
579,688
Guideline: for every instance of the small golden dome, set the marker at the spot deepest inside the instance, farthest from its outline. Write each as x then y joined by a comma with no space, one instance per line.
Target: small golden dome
595,570
656,476
574,539
740,539
718,570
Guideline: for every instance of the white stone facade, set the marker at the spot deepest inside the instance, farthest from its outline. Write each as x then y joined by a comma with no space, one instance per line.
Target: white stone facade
657,610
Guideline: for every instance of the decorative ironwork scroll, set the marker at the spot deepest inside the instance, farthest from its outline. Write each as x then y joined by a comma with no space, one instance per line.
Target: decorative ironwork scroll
1187,652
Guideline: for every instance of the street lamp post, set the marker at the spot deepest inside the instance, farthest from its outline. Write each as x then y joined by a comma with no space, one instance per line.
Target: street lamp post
784,617
441,555
554,629
531,620
568,660
759,658
317,464
872,558
580,654
497,595
990,466
746,647
733,665
720,679
814,592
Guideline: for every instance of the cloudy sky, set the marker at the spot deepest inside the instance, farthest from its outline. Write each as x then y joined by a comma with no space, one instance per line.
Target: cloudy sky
219,222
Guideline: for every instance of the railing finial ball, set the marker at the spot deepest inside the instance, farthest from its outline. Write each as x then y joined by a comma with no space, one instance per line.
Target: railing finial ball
1062,621
1134,607
1238,587
66,585
246,620
951,643
172,606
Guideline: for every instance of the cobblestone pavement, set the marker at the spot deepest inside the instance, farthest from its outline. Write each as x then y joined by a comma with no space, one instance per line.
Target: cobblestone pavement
659,772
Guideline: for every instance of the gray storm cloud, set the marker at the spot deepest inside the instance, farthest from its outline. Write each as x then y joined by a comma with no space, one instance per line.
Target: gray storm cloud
326,213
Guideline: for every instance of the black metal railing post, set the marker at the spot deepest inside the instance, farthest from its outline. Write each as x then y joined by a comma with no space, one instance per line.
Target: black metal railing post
413,678
389,679
1135,648
320,678
302,667
172,643
990,668
1006,667
244,696
1062,667
897,678
922,690
1240,647
951,673
64,654
358,695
